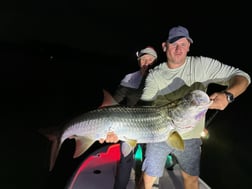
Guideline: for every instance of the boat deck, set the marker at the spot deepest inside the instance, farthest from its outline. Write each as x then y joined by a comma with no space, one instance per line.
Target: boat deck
98,171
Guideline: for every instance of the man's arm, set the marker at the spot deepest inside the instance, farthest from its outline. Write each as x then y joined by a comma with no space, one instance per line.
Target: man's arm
237,85
144,103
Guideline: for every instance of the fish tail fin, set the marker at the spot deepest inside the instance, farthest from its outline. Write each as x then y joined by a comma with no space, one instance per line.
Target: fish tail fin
54,138
176,141
55,147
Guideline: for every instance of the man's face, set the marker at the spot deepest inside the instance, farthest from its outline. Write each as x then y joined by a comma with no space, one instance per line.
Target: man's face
177,51
146,60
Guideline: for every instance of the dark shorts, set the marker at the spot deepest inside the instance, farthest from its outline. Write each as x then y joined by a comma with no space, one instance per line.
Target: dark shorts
156,156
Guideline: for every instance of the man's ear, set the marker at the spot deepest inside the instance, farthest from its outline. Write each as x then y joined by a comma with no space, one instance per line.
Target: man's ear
164,46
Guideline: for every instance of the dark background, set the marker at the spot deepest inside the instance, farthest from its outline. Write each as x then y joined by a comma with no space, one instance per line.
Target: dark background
56,56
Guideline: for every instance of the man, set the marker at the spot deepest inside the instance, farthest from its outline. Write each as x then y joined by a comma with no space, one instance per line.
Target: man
128,93
131,86
173,79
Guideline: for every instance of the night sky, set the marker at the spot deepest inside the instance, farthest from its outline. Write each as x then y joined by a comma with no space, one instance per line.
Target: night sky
56,56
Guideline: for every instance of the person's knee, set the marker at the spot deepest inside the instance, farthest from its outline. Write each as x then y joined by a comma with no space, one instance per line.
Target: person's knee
190,181
148,181
186,176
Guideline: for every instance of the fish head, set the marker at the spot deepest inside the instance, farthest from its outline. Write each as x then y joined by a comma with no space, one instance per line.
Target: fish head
190,110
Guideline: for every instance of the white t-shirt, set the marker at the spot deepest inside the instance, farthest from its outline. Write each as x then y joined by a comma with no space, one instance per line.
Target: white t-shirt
162,80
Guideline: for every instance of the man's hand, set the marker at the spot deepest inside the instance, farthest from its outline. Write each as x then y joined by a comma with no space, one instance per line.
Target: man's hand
220,101
110,138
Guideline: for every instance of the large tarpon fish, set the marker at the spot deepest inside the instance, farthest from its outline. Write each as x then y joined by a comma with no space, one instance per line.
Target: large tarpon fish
140,124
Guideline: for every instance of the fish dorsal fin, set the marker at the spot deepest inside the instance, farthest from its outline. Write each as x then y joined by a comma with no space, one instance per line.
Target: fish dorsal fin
81,145
176,141
108,100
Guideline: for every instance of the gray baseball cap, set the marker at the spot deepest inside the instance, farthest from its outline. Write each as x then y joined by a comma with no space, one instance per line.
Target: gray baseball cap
147,50
178,32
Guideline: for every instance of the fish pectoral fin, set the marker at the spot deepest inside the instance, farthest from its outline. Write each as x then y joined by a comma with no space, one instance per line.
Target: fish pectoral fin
176,141
127,146
81,145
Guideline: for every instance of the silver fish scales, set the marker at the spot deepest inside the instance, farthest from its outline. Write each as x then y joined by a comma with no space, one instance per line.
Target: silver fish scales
143,124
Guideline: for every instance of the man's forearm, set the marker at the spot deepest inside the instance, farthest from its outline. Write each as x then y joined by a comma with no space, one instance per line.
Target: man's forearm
238,84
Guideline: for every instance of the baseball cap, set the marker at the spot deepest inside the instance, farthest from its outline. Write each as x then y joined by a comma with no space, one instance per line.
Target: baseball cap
147,50
178,32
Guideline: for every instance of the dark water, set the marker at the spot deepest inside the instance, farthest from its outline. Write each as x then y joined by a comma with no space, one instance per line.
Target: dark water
41,92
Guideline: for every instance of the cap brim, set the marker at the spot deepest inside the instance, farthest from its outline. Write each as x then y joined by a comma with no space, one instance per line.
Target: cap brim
172,40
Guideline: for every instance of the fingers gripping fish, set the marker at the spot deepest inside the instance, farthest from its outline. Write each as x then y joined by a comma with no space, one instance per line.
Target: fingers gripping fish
140,124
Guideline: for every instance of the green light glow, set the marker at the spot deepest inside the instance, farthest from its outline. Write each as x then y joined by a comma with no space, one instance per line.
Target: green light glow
139,153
